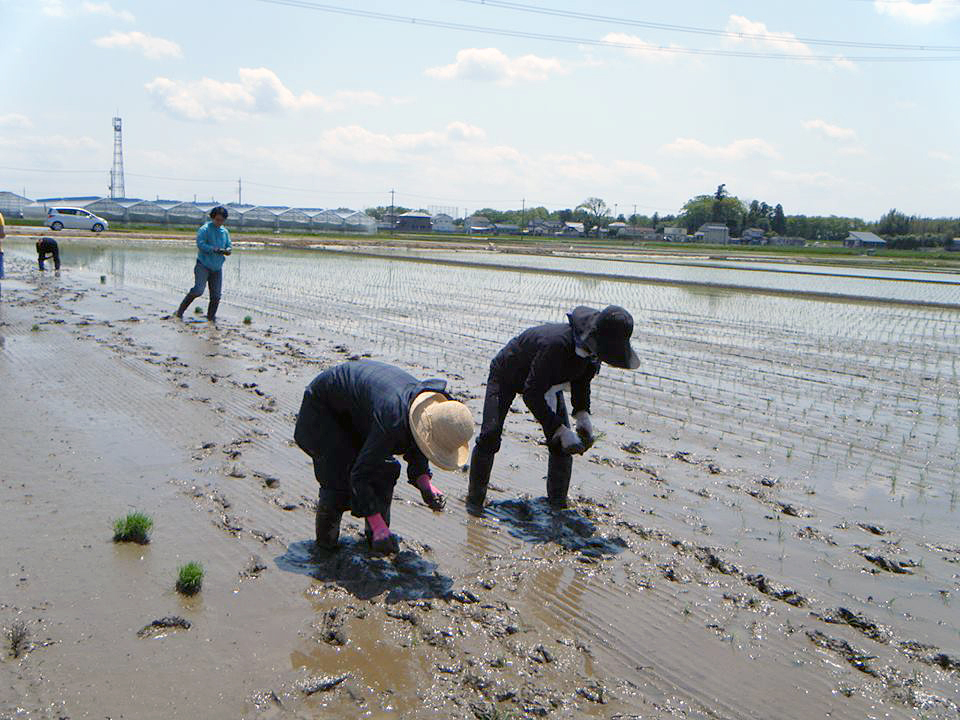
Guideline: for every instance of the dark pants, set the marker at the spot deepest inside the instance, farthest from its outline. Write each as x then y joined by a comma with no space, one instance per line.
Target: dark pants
46,250
496,405
330,440
205,276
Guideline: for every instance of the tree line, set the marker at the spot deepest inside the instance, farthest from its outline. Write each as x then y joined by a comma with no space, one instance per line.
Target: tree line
899,229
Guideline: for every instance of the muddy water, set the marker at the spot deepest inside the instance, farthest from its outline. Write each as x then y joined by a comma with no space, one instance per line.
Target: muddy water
775,460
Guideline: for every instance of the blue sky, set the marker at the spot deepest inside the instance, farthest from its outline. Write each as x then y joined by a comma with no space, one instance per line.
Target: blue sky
323,109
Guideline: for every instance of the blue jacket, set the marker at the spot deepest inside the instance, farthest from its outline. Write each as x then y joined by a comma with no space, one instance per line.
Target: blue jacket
210,238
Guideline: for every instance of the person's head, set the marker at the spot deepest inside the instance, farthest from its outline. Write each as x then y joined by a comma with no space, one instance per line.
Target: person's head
219,215
610,338
442,429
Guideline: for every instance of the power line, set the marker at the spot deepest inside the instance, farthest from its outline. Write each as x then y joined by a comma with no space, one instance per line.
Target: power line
572,40
590,17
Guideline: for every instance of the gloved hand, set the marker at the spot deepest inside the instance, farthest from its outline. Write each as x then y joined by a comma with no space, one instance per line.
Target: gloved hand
432,497
584,428
383,541
568,441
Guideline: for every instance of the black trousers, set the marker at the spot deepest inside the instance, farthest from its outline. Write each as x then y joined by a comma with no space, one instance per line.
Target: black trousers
496,406
333,444
44,252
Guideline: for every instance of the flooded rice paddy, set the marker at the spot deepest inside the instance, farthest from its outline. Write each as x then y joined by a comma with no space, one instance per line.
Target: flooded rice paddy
782,465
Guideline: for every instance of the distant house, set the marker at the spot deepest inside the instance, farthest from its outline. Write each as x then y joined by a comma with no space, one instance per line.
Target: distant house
443,223
753,236
506,229
413,221
716,233
571,229
544,227
478,225
675,234
864,240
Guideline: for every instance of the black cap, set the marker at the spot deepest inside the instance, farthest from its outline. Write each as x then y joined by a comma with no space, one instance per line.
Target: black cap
612,334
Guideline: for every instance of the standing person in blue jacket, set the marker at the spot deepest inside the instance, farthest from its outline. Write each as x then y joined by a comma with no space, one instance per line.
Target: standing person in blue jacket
539,364
354,418
213,244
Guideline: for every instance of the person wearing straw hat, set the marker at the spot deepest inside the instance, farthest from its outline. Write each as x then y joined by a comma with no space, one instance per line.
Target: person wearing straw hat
353,419
540,364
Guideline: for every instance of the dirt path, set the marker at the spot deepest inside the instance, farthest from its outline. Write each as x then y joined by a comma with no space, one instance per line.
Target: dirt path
637,602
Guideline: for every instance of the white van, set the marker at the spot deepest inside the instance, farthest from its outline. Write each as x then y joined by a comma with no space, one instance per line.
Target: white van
72,218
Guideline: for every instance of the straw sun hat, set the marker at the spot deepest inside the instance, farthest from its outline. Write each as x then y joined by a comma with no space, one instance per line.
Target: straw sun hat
442,429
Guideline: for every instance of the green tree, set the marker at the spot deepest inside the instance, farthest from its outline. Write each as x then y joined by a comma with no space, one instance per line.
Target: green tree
779,223
594,211
706,208
894,223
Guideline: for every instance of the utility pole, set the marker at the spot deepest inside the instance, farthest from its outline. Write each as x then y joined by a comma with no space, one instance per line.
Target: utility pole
393,214
117,189
240,191
523,213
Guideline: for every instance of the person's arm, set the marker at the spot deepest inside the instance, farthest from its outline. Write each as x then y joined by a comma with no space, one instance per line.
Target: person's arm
417,464
229,246
363,475
203,242
535,389
580,391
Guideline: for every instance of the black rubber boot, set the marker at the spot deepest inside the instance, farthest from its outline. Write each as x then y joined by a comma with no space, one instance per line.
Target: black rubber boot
480,466
212,309
328,520
559,469
185,304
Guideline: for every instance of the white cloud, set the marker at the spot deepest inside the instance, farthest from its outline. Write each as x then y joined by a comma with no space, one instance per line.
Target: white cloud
53,8
831,132
38,143
154,48
736,150
940,155
258,91
493,65
757,36
641,48
15,120
106,9
921,13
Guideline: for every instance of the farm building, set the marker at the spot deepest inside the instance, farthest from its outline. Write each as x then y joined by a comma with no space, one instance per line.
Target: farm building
717,233
864,240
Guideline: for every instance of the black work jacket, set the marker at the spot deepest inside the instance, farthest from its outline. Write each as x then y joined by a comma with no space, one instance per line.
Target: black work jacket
373,398
543,357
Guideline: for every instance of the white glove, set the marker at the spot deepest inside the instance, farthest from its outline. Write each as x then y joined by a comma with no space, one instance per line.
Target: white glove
584,427
568,440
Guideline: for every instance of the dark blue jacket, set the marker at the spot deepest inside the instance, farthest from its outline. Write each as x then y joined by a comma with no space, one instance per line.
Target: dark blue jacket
371,400
545,356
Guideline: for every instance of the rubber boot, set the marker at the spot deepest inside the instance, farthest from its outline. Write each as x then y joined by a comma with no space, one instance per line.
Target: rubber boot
559,469
185,304
480,466
328,520
212,309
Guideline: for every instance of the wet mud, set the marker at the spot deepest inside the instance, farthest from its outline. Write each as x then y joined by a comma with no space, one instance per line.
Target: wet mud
713,563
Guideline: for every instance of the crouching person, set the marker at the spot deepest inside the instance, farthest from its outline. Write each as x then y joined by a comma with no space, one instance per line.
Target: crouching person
539,364
354,418
47,246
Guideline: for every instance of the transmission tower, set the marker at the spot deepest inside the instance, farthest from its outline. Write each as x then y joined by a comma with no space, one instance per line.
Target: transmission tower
116,174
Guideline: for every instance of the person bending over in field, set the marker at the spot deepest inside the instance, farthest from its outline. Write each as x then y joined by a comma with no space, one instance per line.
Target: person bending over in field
540,364
353,419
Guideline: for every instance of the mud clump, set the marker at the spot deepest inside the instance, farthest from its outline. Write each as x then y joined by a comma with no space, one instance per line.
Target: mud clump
535,521
323,683
842,648
254,567
900,567
843,616
931,655
157,627
811,533
776,590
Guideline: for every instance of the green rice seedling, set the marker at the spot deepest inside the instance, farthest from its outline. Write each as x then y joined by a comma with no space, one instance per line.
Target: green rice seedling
198,310
190,578
35,328
19,636
133,527
247,319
